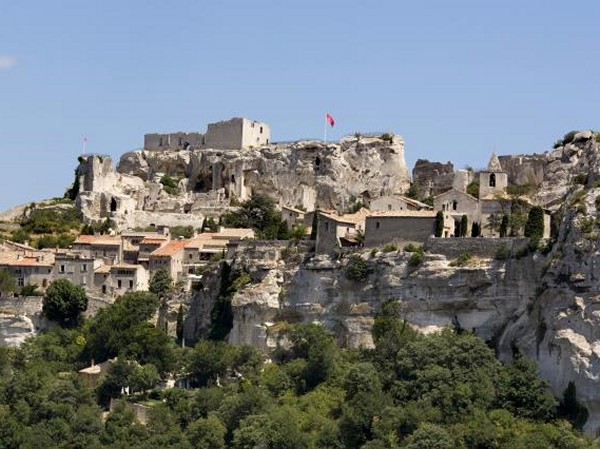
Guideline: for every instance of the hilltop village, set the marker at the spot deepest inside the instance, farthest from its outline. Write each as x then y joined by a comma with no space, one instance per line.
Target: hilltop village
124,260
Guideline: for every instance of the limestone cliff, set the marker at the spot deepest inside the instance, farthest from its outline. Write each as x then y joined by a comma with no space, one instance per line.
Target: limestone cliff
308,174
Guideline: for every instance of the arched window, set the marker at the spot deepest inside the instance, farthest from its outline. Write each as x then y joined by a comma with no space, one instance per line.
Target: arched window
454,205
113,205
492,180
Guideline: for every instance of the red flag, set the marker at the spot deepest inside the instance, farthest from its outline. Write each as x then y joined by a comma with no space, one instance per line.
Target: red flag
330,119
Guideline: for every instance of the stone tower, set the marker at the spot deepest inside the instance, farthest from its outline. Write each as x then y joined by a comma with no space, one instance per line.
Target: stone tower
493,180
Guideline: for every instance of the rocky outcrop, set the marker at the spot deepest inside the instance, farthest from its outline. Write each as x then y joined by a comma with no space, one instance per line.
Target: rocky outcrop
432,178
206,182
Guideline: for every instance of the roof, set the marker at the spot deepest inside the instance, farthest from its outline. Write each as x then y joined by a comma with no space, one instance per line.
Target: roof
403,213
154,240
453,190
19,259
240,233
293,209
355,218
102,240
124,266
170,249
494,164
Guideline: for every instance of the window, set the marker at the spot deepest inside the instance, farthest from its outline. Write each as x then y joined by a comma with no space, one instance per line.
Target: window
160,142
261,129
326,226
119,283
130,284
104,289
191,255
493,180
454,205
377,224
84,267
44,283
20,282
389,207
62,269
232,178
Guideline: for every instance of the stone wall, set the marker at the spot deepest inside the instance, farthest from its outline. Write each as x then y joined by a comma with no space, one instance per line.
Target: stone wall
22,305
525,169
225,134
177,141
432,178
476,246
381,230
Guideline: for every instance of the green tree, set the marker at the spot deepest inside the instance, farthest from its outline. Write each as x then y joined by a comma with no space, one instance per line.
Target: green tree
464,225
8,283
475,230
161,283
430,436
439,224
180,322
534,228
571,409
258,213
207,433
504,226
64,302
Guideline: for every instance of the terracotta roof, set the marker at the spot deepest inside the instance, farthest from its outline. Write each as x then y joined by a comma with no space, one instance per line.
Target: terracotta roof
18,259
171,248
355,218
154,240
107,240
124,266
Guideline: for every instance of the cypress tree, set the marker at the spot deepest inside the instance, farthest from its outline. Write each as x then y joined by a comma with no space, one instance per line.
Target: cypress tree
439,224
464,224
535,223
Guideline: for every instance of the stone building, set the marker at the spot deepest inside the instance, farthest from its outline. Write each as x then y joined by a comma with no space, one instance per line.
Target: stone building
335,231
234,134
404,227
397,203
108,247
169,257
28,266
77,267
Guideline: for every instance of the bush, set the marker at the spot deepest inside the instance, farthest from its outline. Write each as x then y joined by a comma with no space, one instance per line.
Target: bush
415,259
439,224
357,269
410,248
170,185
462,260
387,137
390,247
581,179
502,253
186,232
568,138
473,189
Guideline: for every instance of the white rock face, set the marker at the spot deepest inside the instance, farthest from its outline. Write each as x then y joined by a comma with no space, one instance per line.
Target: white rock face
306,174
14,329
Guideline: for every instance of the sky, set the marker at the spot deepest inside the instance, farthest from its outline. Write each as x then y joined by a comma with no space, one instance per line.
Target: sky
456,79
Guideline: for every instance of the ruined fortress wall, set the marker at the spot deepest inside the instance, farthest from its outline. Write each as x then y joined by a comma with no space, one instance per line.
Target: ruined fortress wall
255,134
381,230
178,140
433,178
225,134
476,246
525,169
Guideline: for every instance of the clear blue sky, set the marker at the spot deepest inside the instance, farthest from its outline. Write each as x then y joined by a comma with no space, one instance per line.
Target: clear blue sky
456,79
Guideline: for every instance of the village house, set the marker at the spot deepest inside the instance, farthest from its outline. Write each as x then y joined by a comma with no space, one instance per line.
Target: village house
132,242
28,266
396,203
107,247
75,266
170,257
295,217
405,226
148,245
336,231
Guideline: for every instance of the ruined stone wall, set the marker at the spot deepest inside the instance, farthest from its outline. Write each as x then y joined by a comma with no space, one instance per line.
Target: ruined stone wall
432,178
225,134
525,169
381,230
177,141
476,246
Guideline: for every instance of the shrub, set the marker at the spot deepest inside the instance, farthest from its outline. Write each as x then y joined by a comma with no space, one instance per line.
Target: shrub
387,137
187,232
581,178
357,268
502,253
462,260
473,189
410,248
415,259
170,185
568,138
64,302
390,247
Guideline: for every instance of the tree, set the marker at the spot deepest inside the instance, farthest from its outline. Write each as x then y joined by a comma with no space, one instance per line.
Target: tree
161,283
504,226
207,433
430,436
258,213
475,230
8,284
439,224
571,409
180,321
64,302
464,225
535,223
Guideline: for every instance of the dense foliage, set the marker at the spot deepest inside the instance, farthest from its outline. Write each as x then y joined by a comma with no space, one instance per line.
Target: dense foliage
258,213
535,223
445,390
64,302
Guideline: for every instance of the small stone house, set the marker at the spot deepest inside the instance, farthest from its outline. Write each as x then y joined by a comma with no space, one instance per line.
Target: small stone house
335,231
77,267
107,247
28,267
403,226
397,203
170,257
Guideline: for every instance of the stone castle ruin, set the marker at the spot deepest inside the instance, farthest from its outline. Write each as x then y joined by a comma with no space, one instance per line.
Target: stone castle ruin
236,133
207,174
